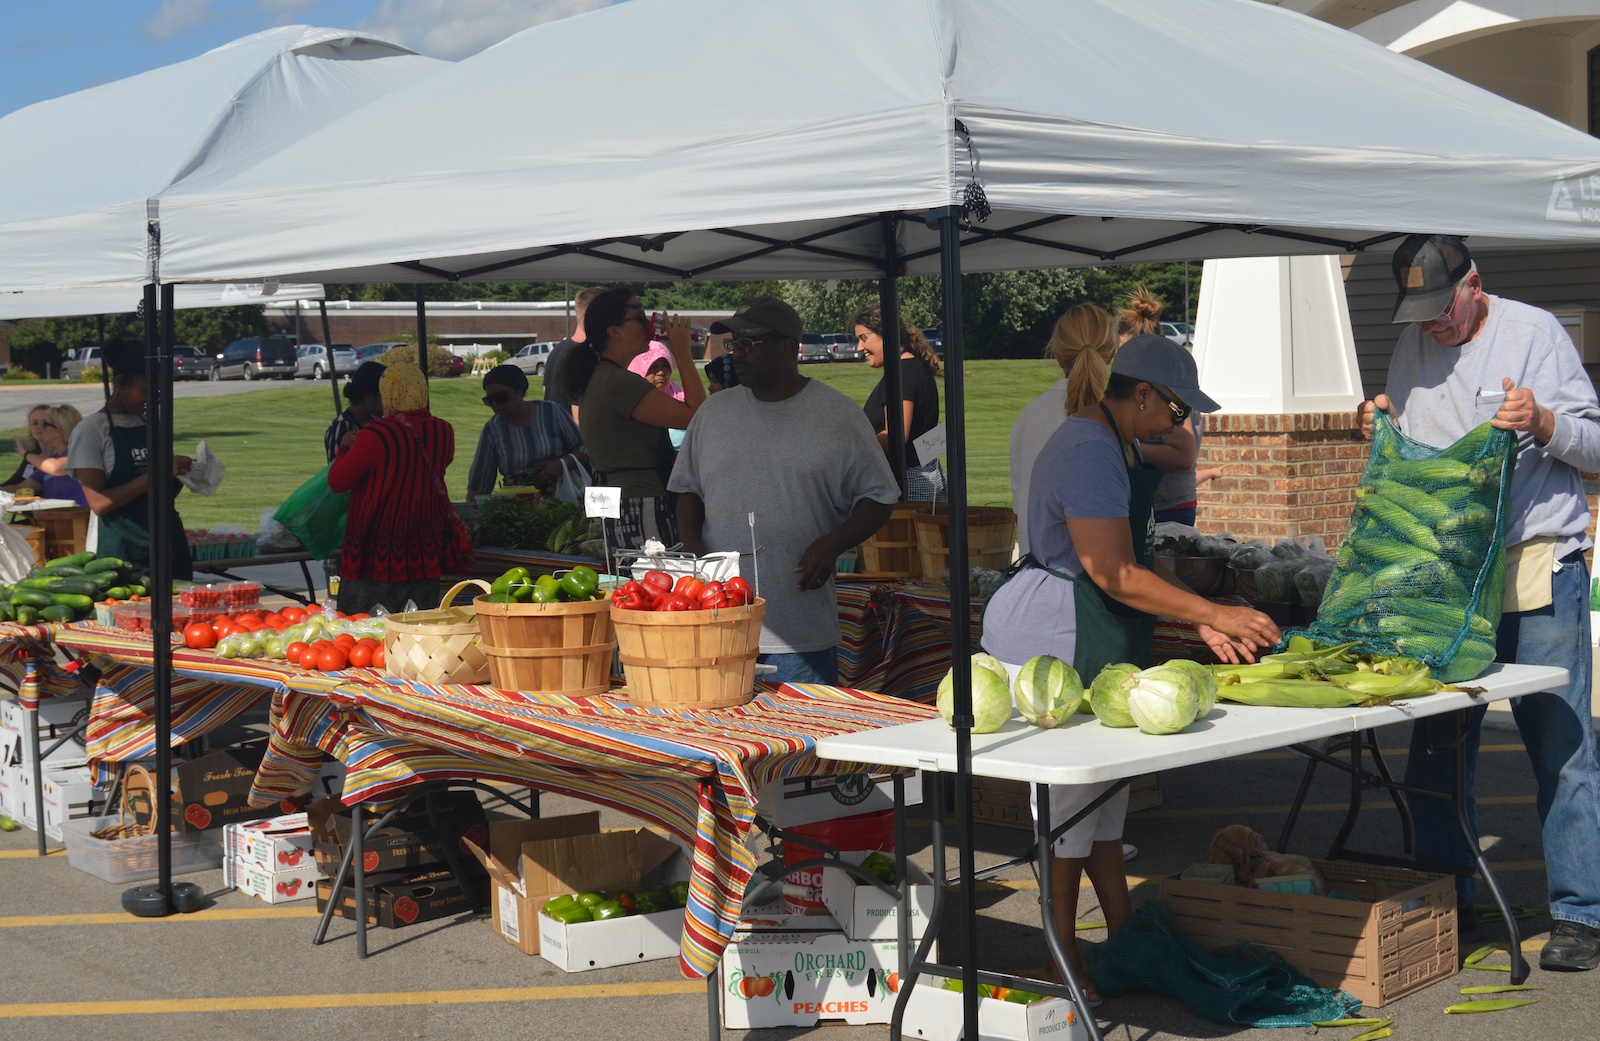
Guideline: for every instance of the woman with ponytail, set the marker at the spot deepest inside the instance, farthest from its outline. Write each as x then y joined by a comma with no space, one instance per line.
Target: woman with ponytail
1083,345
1178,498
919,396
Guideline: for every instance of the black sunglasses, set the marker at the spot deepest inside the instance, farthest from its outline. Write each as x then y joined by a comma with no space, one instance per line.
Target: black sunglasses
1179,412
493,400
746,344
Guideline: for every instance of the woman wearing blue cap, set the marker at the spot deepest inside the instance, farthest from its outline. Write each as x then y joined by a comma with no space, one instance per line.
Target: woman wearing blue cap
1090,589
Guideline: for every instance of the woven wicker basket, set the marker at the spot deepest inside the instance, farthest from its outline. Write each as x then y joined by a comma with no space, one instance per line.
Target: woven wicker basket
552,648
690,659
436,646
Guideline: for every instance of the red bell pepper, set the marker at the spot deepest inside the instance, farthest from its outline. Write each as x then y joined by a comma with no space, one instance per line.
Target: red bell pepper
711,591
739,592
688,586
657,582
675,602
629,601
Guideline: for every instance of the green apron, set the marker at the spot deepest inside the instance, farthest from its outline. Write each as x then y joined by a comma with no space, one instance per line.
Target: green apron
125,532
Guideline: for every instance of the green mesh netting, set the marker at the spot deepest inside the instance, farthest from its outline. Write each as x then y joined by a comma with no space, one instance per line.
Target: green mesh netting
1422,572
1242,984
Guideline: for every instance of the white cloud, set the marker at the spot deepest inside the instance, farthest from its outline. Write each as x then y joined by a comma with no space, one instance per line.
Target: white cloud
459,28
175,18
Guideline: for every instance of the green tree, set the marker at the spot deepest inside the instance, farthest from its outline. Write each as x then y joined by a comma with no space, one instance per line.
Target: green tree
41,342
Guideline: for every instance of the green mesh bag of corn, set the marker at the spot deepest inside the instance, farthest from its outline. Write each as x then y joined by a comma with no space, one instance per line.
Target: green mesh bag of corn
1422,571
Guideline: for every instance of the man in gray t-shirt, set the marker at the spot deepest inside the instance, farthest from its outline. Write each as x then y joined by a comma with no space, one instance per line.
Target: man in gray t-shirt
803,458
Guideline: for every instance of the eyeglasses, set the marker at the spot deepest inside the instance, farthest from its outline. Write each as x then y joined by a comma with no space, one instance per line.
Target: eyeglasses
1447,316
1179,412
746,345
496,400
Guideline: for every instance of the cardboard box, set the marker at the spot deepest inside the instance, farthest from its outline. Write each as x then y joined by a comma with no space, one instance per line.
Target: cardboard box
935,1014
215,789
799,979
11,792
867,912
58,717
805,800
398,899
69,795
279,887
406,843
776,917
279,844
531,861
616,941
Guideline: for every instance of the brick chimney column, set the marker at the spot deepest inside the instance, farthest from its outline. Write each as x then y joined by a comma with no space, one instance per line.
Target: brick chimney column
1286,475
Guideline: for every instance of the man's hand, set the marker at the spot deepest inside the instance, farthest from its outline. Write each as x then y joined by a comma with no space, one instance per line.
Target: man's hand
1520,411
181,465
817,565
1364,414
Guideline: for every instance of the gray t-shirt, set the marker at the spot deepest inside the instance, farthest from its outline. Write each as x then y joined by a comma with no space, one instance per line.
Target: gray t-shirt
1438,396
802,465
1178,487
90,446
1081,473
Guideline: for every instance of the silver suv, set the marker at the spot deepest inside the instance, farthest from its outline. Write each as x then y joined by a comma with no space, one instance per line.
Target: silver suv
312,360
79,359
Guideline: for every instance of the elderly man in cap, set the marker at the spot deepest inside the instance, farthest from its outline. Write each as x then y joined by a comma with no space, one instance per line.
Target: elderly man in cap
1466,359
803,458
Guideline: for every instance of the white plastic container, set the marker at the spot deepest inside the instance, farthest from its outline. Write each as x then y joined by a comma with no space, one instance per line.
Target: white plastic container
129,860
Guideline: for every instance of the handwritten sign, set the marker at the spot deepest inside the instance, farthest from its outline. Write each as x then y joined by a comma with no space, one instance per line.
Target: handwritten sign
931,445
603,502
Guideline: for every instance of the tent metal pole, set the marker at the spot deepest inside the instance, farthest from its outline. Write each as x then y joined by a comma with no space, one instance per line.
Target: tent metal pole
889,310
422,332
566,295
105,370
327,345
960,605
1188,322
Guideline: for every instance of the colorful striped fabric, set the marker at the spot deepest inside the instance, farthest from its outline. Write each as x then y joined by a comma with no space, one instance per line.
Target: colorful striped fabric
121,722
863,613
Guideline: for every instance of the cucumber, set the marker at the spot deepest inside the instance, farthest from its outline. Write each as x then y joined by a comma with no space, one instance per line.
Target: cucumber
75,560
6,614
86,588
73,600
34,583
56,613
104,579
94,567
26,615
62,571
31,597
118,593
138,590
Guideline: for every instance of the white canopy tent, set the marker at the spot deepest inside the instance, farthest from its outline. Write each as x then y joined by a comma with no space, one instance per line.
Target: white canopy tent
120,299
779,131
85,171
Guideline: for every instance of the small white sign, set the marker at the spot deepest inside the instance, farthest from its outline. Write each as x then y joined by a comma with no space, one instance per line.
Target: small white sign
930,446
603,502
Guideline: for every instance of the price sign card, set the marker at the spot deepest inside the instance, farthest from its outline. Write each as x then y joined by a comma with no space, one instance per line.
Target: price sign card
603,502
930,446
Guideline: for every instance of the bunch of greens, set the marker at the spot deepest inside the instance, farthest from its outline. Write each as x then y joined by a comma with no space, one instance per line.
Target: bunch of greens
510,522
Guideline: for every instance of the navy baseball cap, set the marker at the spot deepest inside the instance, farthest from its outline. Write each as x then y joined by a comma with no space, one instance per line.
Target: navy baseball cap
1156,359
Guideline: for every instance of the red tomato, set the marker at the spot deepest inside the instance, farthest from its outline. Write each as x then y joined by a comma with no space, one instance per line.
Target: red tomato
360,656
277,621
248,616
344,640
369,642
377,657
689,586
296,651
295,615
332,660
358,617
252,625
313,609
199,636
657,581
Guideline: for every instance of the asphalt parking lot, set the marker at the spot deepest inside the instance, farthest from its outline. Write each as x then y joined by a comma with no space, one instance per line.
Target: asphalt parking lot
77,966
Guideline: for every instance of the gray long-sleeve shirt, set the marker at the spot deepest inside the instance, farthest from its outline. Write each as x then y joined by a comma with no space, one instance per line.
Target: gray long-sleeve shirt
1441,393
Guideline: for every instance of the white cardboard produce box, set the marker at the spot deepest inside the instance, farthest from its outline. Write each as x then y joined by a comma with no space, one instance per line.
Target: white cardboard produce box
57,718
867,912
68,795
615,941
279,887
934,1014
799,979
806,800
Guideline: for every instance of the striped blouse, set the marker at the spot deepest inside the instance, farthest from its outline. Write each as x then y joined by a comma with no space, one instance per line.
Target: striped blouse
512,451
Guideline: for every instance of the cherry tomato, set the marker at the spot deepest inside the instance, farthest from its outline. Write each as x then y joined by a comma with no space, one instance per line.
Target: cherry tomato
296,651
199,636
332,660
360,656
377,657
296,615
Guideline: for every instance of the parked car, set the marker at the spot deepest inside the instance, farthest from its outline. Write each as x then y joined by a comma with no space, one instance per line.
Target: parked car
533,358
375,351
1177,332
813,348
312,360
257,357
190,363
844,347
935,338
78,359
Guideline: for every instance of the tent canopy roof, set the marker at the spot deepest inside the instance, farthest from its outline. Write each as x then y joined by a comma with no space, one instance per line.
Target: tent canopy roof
1111,130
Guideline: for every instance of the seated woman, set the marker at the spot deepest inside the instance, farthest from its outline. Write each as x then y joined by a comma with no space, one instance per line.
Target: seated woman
655,365
526,442
44,463
366,404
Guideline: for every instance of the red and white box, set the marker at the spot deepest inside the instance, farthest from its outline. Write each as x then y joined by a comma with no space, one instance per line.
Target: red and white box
236,844
934,1014
280,887
801,979
285,848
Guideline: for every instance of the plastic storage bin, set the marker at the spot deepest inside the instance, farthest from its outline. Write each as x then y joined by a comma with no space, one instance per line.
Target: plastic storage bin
129,860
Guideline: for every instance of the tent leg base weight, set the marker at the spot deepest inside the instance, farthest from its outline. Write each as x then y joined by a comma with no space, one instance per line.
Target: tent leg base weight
149,902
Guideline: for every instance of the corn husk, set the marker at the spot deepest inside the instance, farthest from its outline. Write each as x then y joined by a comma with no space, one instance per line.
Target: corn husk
1497,1005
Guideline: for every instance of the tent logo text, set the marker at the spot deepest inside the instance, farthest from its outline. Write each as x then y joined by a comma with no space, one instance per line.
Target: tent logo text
1575,199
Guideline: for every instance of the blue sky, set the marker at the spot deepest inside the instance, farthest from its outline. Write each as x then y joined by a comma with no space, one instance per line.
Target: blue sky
53,47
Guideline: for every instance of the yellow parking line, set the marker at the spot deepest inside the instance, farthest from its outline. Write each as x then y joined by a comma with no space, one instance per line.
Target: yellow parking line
7,854
1386,751
123,918
1135,881
308,1001
1369,803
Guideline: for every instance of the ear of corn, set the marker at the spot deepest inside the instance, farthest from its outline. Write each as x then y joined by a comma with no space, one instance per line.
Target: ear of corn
1419,503
1288,693
1375,1034
1436,471
1494,1005
1404,523
1499,989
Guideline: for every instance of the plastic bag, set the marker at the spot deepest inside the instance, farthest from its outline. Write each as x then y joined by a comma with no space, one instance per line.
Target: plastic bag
274,537
1276,581
1312,578
574,479
1422,572
1216,545
316,514
1286,549
1251,555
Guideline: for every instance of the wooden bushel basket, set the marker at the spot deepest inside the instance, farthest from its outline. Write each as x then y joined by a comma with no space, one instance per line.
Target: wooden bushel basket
436,646
991,537
552,648
892,549
690,659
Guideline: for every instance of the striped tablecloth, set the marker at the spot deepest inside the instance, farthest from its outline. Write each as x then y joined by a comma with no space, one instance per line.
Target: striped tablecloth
694,773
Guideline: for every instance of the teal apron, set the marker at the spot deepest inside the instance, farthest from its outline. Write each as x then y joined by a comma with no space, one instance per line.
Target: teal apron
125,532
1109,631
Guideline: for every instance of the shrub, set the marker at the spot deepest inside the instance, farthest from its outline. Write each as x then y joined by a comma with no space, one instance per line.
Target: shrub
91,374
496,356
21,374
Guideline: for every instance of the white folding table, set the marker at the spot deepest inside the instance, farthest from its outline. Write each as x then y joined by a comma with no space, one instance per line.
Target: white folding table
1085,752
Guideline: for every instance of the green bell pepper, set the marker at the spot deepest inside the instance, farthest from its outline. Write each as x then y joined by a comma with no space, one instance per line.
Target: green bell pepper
581,582
590,899
645,903
680,893
608,909
522,592
557,903
573,915
506,581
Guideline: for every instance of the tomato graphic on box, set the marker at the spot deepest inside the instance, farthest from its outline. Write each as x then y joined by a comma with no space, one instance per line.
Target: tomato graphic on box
406,909
197,815
369,861
478,835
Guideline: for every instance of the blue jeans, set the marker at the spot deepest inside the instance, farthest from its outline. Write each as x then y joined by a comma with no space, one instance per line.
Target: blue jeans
1559,737
1181,515
804,667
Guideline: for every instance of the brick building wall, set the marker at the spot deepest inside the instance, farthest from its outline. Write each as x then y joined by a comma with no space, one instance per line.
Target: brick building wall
1285,475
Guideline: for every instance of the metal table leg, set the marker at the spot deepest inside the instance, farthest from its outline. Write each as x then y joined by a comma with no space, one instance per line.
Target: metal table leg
1519,965
38,780
1052,936
356,836
714,1006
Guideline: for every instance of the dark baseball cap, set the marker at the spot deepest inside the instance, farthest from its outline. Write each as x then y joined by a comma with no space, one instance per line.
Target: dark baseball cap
1156,359
764,314
1426,270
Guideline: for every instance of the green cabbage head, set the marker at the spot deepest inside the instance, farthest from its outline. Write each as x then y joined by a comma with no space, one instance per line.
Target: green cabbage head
1048,690
991,695
1163,699
1107,697
1206,682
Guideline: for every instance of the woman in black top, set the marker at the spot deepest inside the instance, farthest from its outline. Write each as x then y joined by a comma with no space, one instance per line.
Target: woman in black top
919,396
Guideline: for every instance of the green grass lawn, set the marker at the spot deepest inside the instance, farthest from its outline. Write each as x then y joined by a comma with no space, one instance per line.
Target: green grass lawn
271,440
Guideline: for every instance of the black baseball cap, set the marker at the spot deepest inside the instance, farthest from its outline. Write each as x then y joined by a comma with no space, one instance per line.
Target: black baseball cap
763,315
1156,359
1426,270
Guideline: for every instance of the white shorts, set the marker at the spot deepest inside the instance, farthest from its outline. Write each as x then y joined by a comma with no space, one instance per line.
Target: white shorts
1102,825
